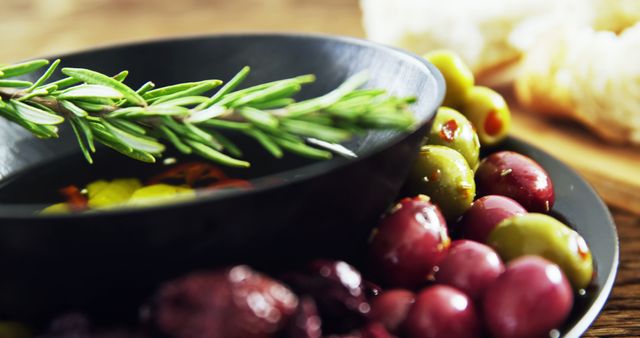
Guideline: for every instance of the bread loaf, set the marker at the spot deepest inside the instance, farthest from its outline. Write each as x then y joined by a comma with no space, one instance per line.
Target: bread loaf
478,31
574,58
588,75
582,62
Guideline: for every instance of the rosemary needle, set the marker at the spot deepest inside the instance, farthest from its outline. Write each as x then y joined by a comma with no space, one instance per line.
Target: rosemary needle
140,123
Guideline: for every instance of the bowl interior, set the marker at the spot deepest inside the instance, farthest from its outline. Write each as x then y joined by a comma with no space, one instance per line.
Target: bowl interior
271,57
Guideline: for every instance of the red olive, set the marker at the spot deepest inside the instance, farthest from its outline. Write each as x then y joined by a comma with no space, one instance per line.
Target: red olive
517,176
484,214
470,267
236,302
409,243
528,300
442,312
391,308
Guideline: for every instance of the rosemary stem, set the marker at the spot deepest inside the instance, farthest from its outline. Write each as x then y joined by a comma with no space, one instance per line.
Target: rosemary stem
139,123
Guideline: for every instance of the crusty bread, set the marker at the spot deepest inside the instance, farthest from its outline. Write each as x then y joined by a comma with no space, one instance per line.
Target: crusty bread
588,75
477,30
574,58
585,65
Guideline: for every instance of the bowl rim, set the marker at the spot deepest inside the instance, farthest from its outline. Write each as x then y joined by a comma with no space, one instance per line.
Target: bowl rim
16,211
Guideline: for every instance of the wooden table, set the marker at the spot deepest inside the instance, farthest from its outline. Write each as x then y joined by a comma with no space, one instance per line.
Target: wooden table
42,27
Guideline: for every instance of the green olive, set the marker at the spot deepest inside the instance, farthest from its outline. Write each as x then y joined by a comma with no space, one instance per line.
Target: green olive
451,129
444,175
489,114
457,75
543,235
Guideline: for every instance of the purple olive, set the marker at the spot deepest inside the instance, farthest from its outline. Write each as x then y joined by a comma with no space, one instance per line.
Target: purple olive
528,300
442,312
391,308
371,289
409,243
71,325
375,330
470,267
236,302
371,330
484,214
338,292
305,322
517,176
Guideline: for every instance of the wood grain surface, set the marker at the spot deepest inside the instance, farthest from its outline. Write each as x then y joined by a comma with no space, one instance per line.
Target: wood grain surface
45,27
621,316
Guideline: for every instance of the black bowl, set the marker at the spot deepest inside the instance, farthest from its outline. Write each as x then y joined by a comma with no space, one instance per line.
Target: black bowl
300,209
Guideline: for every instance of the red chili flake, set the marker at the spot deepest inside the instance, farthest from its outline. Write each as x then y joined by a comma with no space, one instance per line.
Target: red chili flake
583,249
74,197
190,172
231,183
435,175
493,124
465,189
448,130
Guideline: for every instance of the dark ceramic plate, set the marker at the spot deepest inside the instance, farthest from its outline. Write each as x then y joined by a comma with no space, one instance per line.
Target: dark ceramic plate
109,262
578,205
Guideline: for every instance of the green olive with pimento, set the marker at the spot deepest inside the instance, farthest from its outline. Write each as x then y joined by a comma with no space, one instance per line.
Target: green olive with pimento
489,113
451,129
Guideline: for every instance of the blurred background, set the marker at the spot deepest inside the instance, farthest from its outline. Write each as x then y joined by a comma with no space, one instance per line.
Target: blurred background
574,92
32,28
495,37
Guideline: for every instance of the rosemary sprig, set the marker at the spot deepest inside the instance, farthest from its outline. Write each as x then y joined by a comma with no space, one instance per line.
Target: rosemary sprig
140,123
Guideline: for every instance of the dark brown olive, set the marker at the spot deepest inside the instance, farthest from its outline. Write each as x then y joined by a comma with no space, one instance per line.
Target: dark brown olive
69,325
236,302
517,176
409,243
305,322
371,289
338,291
